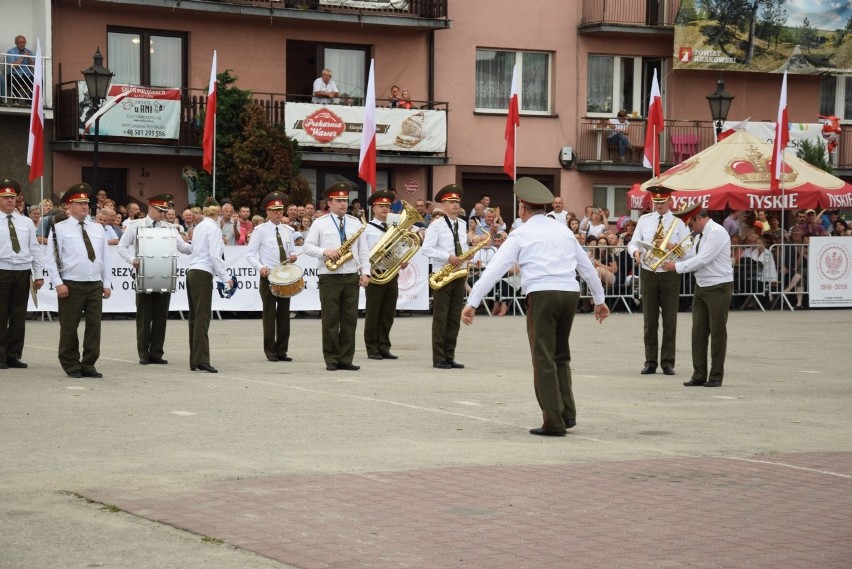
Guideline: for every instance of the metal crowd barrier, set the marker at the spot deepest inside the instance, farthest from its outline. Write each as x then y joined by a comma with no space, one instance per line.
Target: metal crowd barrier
759,282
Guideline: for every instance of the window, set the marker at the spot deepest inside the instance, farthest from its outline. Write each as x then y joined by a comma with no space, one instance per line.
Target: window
494,80
147,57
835,96
614,83
614,198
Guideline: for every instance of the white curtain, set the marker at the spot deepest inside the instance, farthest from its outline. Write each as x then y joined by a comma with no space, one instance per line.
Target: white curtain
347,69
166,61
493,78
123,57
599,94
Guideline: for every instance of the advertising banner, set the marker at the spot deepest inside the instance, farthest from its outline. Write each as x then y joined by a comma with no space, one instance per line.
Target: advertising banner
413,286
797,36
830,272
339,126
142,112
367,4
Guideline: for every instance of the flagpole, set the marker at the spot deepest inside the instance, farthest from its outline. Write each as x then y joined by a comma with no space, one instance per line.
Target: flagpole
214,151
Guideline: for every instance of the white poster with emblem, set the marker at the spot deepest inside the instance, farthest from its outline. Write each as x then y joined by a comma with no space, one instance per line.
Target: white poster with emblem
830,272
131,111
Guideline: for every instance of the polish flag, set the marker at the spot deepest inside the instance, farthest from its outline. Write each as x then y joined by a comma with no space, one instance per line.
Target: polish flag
209,140
654,127
782,138
513,121
728,132
35,147
367,158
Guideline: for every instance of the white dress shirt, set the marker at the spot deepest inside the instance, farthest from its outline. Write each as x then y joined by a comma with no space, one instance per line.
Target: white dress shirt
207,249
710,257
30,255
320,85
263,246
127,244
646,228
549,257
439,243
324,234
374,234
76,266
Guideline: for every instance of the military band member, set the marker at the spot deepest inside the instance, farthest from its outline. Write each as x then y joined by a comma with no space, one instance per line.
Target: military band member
660,289
445,241
152,308
207,259
20,261
381,298
339,289
78,267
550,259
271,244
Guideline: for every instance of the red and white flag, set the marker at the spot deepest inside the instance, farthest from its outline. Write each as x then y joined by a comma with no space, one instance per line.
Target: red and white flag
209,140
513,121
35,147
367,158
654,127
734,128
782,138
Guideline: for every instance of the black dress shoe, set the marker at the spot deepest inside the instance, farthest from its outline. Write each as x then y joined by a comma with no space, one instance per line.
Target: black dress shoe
192,367
285,358
455,365
713,383
92,373
331,367
158,361
348,367
144,361
15,363
207,367
668,370
272,358
570,423
694,382
76,373
374,357
648,369
542,433
4,366
388,356
442,365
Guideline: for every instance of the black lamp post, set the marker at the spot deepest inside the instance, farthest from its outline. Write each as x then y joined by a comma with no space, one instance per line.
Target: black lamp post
720,104
97,81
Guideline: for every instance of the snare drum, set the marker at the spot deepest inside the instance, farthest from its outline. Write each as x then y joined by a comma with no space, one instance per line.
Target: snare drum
156,249
286,281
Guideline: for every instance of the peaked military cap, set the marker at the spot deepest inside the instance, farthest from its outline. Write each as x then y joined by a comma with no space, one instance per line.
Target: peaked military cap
161,201
532,192
9,188
339,191
383,197
450,192
78,193
274,200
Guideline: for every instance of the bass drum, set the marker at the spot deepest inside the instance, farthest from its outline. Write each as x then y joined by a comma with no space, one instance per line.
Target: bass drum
156,250
286,281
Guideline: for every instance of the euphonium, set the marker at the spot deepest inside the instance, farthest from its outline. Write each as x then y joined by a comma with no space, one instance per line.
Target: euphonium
448,273
345,250
397,246
659,255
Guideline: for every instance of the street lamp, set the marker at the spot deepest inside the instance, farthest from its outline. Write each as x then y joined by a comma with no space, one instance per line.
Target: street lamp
97,81
720,104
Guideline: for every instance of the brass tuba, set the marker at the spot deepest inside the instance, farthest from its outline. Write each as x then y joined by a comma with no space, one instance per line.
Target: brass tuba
397,246
448,273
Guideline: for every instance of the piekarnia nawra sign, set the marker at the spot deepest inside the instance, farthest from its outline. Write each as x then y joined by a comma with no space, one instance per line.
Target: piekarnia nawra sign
340,126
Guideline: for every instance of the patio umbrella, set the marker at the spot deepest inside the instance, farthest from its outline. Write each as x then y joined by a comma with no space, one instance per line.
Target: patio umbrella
735,173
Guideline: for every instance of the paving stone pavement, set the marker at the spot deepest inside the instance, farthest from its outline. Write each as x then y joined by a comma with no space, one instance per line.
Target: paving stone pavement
401,465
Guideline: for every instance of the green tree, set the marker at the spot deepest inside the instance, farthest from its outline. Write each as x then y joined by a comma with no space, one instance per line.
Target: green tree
813,152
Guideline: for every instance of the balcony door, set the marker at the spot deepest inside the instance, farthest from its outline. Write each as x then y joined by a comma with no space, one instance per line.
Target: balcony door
348,64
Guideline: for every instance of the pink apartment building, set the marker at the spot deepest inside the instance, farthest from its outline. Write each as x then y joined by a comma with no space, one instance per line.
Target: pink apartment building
581,61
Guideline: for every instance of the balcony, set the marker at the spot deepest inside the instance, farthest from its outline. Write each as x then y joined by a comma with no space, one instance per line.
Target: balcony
281,109
680,140
425,14
16,85
629,16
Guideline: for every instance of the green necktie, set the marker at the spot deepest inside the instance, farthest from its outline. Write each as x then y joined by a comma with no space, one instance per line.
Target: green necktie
282,254
456,241
90,251
13,235
661,229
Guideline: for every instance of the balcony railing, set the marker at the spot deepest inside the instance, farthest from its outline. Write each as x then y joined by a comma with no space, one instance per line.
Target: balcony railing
680,140
69,114
16,81
429,9
630,12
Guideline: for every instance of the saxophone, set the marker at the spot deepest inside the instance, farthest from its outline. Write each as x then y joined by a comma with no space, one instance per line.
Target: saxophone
448,273
345,250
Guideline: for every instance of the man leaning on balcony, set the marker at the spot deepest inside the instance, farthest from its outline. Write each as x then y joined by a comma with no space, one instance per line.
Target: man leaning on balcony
324,89
19,72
